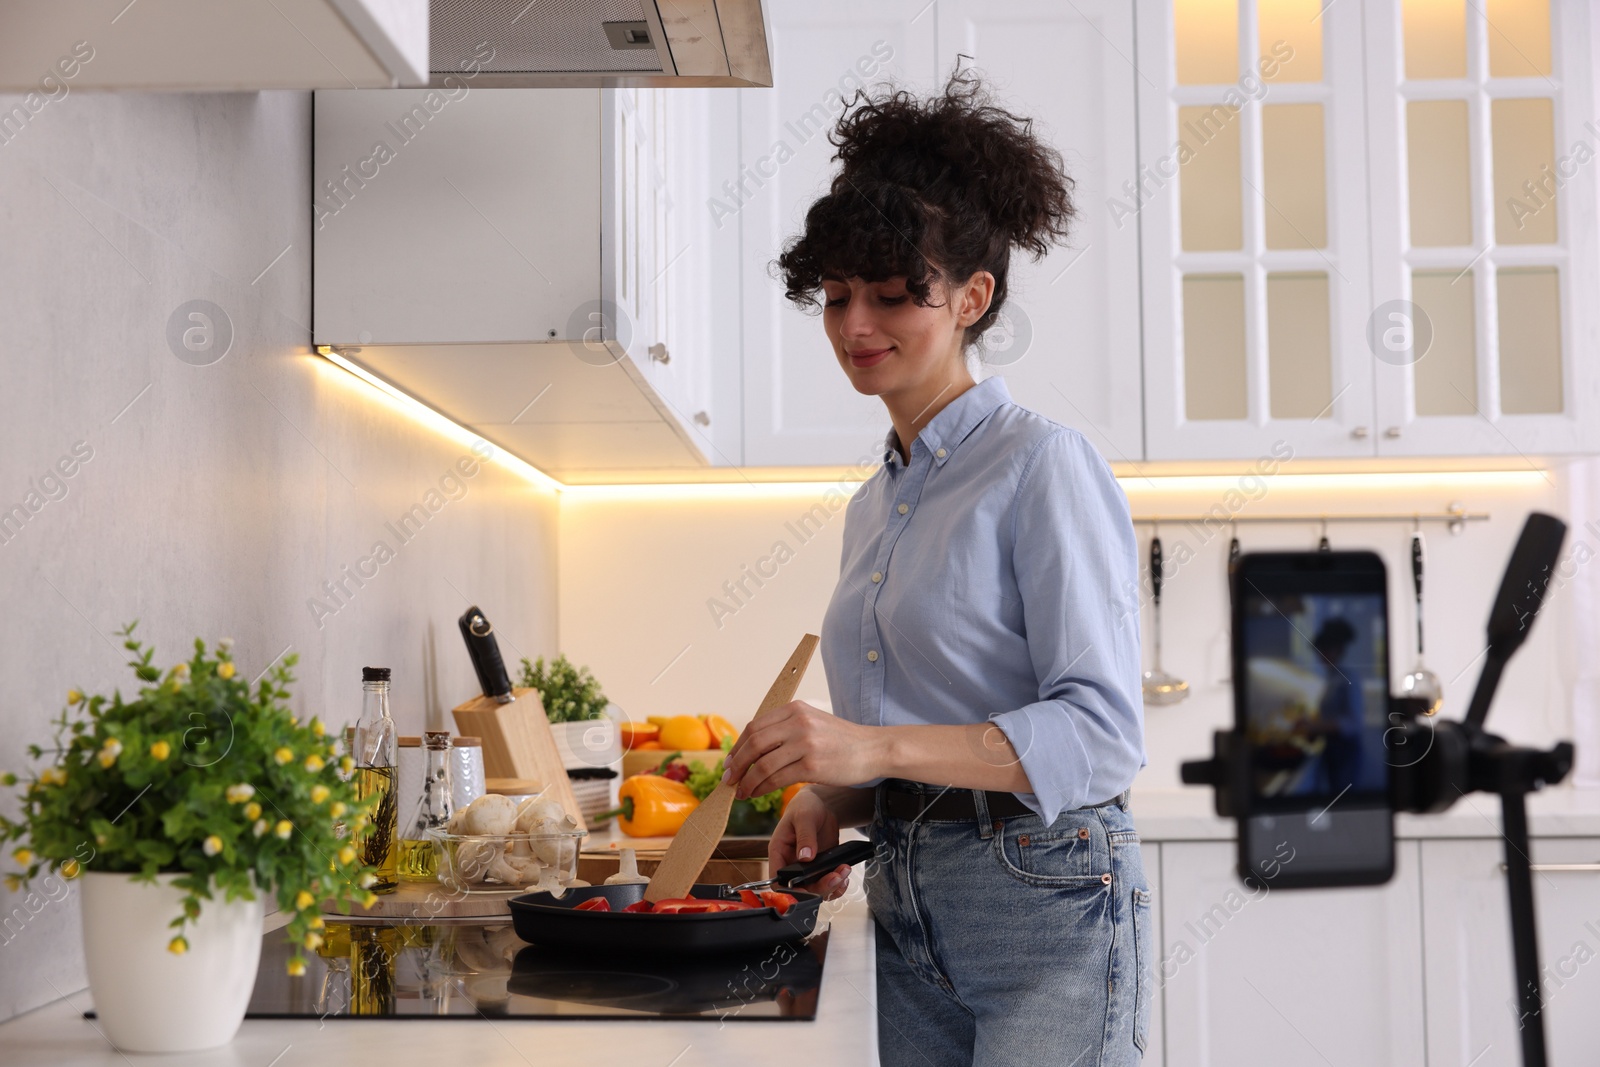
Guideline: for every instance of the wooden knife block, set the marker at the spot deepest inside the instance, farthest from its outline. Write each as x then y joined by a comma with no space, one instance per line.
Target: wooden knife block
517,743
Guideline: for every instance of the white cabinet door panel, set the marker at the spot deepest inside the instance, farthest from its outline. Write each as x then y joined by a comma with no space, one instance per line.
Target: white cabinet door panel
1067,341
1305,976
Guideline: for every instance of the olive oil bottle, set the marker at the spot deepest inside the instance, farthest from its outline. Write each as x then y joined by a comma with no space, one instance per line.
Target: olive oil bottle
375,752
418,860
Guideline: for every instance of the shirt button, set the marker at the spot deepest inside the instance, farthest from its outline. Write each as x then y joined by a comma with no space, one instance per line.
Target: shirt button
904,508
940,453
877,576
872,657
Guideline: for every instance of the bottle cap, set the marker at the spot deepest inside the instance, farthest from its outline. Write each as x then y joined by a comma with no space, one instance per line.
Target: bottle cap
374,674
439,739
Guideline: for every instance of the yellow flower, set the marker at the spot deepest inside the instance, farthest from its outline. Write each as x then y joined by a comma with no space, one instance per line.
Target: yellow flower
313,940
283,756
284,828
212,845
368,879
74,696
107,758
319,793
23,856
101,839
296,967
317,727
225,670
71,870
252,810
347,855
238,794
336,809
314,763
110,751
347,765
178,946
160,750
303,900
180,670
13,883
259,828
52,776
316,922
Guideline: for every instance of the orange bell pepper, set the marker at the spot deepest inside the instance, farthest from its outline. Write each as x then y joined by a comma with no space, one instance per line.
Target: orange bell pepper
653,806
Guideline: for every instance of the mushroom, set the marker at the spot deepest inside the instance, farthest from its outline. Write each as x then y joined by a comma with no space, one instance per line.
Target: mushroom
628,870
490,814
535,813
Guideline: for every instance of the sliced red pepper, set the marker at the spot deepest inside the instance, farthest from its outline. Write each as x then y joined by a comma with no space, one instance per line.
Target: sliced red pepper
779,902
696,905
640,906
750,899
593,904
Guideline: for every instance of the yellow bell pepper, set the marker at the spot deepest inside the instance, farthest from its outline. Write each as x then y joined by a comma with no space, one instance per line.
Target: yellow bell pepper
653,806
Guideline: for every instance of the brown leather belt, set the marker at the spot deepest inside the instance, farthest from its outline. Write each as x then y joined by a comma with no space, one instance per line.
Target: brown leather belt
955,804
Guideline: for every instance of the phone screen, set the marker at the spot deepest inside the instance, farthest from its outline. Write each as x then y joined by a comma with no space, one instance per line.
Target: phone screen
1311,661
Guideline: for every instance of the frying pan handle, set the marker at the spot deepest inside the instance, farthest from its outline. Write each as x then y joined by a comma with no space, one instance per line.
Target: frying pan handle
850,853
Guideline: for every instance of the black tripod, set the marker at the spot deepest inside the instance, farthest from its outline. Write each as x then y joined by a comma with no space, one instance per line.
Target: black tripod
1435,762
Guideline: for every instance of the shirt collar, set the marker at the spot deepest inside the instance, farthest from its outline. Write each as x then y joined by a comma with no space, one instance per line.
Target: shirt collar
946,430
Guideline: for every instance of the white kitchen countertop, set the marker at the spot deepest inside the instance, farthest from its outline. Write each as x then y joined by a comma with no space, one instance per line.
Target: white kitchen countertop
1188,815
844,1032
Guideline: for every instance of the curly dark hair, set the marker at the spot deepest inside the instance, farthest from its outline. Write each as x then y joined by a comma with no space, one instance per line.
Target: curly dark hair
934,189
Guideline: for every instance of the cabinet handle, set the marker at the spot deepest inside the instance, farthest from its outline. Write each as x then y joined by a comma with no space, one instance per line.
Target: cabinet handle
1359,431
1393,431
658,352
702,418
1582,868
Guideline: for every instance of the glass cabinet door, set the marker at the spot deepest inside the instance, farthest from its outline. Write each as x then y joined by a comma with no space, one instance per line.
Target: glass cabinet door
1483,226
1251,195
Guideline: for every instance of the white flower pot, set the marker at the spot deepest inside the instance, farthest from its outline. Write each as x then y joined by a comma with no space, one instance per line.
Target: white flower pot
147,998
591,743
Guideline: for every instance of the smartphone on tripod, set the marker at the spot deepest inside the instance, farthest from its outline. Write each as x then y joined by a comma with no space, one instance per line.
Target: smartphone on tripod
1311,707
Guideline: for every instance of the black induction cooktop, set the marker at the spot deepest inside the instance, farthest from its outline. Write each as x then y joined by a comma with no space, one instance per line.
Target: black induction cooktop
462,970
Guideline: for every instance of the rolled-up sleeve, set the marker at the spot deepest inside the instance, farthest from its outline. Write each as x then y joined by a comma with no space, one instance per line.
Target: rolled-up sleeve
1076,565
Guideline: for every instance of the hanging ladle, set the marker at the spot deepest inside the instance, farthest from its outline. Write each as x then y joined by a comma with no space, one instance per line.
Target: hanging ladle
1421,683
1160,688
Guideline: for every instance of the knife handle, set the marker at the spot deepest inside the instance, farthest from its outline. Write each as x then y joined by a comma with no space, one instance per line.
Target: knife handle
850,853
484,649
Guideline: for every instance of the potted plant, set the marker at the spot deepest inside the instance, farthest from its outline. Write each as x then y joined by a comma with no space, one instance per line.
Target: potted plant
176,812
585,735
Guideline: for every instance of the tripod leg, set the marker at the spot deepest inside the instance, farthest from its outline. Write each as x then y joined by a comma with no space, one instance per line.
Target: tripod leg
1524,933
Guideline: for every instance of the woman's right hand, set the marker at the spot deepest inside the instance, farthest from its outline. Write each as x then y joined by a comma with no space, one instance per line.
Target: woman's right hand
807,828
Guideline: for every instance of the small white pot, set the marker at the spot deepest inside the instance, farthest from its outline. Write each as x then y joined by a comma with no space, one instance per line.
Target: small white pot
591,743
147,998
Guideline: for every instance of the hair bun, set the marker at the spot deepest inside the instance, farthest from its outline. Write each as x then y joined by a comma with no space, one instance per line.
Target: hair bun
959,150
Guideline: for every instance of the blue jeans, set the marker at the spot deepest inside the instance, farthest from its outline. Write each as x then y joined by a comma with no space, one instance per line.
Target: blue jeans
1006,943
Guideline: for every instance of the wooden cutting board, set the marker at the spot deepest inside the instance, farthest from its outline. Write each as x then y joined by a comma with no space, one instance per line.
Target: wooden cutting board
697,839
517,743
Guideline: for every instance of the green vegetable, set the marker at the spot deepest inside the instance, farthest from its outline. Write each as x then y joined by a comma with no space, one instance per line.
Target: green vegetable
569,693
701,782
745,817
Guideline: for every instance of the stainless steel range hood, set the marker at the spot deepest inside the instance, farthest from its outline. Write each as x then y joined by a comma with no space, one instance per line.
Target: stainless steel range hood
574,43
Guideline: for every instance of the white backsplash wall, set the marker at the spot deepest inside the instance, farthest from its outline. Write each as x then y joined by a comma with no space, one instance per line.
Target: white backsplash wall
218,498
642,572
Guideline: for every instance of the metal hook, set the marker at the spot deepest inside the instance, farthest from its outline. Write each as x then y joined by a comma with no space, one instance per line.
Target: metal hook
1322,544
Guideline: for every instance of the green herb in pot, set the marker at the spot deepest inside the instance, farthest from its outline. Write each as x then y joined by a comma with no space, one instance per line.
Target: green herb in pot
569,693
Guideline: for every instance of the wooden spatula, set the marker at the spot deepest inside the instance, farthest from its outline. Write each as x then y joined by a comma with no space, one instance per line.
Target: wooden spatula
697,838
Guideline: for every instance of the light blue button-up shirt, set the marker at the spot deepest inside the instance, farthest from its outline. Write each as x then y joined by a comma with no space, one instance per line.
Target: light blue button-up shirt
995,577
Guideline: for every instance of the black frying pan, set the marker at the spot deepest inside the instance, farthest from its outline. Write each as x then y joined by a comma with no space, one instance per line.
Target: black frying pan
543,919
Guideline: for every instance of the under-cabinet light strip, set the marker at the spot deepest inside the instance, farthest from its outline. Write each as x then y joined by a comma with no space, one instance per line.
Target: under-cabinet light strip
1135,485
437,420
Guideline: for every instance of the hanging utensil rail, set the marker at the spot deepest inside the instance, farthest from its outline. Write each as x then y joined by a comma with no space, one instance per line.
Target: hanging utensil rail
1455,520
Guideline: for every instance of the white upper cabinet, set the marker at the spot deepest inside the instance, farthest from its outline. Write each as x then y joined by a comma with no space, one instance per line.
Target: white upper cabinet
1067,340
1369,228
799,406
546,238
48,47
1484,226
1252,181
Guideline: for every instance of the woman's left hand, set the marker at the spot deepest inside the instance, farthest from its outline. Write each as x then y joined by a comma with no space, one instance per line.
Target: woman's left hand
801,743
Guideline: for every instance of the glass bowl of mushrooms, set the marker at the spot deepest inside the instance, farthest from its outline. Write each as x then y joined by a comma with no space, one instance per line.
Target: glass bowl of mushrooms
497,844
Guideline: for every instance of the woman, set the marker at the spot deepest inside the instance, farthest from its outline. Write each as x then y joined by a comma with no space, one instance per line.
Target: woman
982,645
